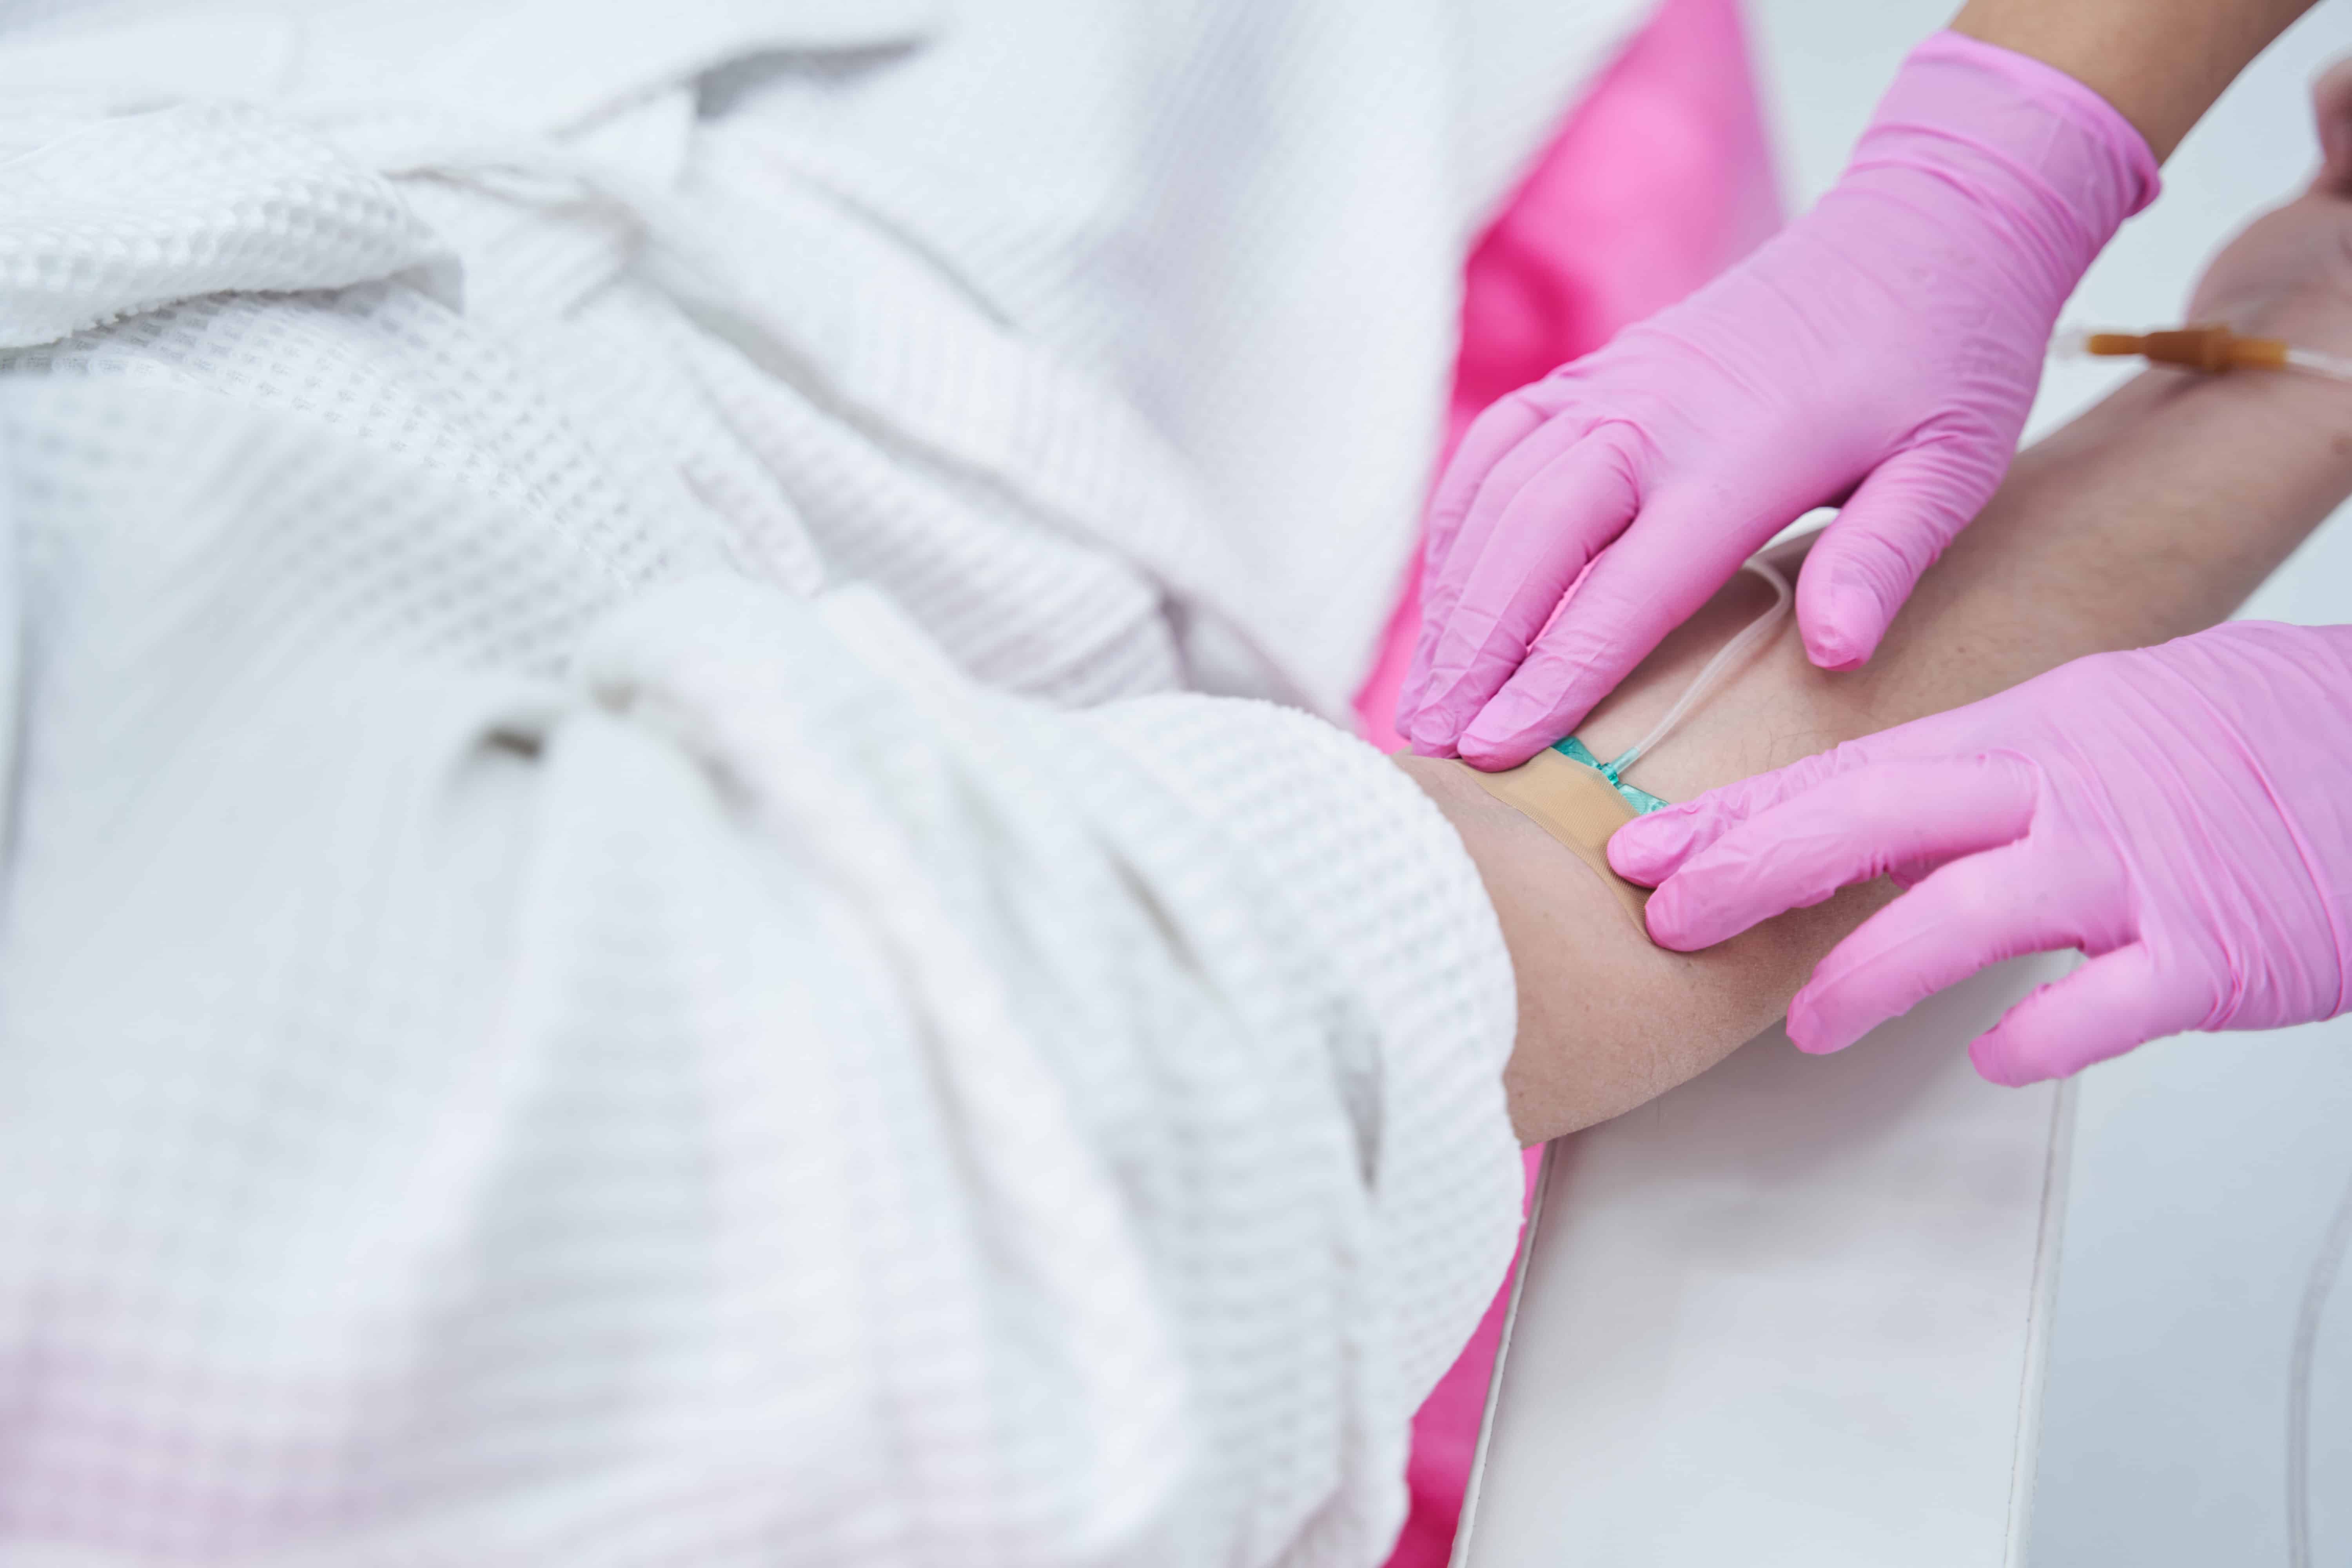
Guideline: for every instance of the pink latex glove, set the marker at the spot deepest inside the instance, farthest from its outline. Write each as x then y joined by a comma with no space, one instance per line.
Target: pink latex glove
1887,345
2181,813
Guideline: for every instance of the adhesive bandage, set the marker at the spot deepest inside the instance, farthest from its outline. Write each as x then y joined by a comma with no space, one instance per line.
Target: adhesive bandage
1580,800
1575,803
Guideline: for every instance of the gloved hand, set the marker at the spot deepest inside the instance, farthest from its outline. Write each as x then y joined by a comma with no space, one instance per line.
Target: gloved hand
2181,813
1887,344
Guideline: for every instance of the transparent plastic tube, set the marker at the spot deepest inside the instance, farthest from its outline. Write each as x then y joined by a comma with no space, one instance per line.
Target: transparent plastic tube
2318,364
1729,657
2316,1288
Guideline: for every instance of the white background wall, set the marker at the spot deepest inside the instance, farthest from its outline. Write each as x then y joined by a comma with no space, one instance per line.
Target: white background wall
2206,1167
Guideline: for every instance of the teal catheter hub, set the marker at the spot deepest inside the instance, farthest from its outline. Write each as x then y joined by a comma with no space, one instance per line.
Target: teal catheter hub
1641,800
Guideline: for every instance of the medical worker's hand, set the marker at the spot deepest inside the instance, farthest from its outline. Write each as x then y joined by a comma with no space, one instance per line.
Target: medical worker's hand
2181,813
1882,351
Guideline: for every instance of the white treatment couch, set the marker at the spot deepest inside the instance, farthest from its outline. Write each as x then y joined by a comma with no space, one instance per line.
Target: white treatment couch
1793,1312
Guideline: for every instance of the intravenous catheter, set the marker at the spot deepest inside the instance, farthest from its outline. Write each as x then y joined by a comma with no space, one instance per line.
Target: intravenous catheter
1727,660
2213,349
1580,800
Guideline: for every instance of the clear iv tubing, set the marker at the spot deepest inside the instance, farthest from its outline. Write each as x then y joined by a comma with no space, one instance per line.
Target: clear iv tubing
1727,659
2316,1288
2318,364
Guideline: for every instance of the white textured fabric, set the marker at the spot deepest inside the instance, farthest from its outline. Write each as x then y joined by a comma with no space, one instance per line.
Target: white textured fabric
608,956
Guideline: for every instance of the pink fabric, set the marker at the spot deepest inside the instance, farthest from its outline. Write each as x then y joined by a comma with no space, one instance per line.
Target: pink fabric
1657,181
1660,178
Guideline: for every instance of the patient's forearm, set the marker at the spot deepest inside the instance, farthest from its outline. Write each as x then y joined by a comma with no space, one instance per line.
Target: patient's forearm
2152,516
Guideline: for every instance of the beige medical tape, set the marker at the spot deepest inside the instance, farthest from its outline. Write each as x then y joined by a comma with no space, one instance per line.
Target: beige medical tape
1576,805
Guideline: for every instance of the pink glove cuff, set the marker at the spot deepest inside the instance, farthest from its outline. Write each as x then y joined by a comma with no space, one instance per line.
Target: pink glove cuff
2030,128
2293,683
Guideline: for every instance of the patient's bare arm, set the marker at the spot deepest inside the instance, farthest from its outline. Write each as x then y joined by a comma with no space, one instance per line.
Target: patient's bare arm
2153,515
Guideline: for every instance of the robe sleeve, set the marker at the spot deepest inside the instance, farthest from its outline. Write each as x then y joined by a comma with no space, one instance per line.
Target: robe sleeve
503,1063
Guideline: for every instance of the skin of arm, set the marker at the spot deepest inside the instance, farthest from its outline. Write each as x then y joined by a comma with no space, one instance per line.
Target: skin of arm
2160,62
2151,516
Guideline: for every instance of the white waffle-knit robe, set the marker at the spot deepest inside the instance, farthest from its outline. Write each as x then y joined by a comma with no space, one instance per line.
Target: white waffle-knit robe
620,946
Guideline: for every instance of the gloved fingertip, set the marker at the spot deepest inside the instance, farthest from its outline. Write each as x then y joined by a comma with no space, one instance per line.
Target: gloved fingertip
1996,1063
1658,920
1509,730
1503,736
1672,918
1812,1034
1495,755
1839,645
1646,849
1841,626
1429,735
1630,863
